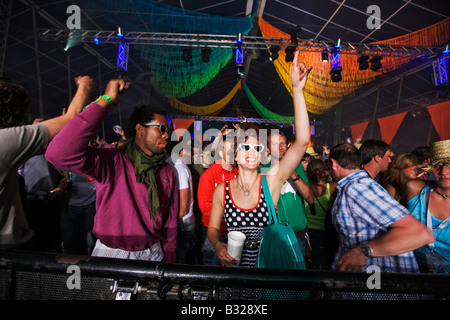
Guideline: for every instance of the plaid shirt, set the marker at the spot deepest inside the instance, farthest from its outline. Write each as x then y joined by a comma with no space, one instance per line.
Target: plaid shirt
363,211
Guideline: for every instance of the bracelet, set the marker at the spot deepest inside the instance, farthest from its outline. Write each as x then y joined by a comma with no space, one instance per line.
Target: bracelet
107,98
215,244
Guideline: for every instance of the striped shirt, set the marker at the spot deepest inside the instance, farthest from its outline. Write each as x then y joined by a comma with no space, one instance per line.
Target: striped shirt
363,211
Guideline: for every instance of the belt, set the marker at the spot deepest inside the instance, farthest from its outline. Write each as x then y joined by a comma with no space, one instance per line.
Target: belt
252,244
36,197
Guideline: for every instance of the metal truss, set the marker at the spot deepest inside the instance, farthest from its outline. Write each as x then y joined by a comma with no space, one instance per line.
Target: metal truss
248,42
440,76
5,14
230,119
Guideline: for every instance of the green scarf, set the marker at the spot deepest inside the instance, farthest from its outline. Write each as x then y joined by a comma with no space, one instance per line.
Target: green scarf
145,168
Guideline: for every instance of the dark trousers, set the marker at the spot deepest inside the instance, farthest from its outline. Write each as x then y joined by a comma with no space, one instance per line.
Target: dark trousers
76,229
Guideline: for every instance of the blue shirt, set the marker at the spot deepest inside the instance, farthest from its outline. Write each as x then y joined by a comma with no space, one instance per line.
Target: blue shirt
363,211
417,206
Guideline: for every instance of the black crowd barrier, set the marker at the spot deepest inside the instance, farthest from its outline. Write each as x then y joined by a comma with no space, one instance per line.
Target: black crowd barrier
44,276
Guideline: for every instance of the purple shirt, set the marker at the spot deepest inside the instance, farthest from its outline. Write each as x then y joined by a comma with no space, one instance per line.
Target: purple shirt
123,218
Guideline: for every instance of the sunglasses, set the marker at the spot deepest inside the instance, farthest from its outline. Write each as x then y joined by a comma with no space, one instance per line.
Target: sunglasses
246,147
162,128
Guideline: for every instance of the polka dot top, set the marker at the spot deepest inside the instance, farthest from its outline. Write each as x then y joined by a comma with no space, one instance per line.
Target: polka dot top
248,221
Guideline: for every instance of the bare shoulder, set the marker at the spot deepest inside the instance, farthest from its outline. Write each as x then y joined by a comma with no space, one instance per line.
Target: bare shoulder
413,188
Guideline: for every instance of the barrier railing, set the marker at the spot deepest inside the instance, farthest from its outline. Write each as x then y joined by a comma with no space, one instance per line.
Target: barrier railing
32,276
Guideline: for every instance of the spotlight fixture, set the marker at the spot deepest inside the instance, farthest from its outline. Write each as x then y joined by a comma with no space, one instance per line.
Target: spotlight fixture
363,62
239,72
446,48
239,51
119,32
375,63
293,33
205,54
336,74
325,56
289,54
336,68
187,54
239,56
274,52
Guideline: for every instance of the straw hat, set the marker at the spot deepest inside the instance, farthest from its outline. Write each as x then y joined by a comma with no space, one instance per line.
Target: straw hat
440,153
310,150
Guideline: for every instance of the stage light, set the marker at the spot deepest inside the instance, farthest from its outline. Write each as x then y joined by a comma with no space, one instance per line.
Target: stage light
239,54
187,54
325,56
289,54
119,32
294,40
274,52
375,63
336,68
96,40
205,54
73,40
363,62
293,33
336,74
446,50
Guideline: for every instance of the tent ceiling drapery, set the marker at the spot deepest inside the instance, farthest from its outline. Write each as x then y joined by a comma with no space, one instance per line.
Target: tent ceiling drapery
325,20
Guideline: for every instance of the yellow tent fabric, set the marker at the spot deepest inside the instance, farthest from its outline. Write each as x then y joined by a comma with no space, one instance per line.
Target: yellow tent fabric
320,92
206,110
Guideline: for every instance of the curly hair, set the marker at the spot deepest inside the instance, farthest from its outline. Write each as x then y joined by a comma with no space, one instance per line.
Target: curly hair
318,170
14,102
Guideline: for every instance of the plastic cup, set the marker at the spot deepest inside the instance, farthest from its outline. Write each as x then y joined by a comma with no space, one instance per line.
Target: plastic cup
236,245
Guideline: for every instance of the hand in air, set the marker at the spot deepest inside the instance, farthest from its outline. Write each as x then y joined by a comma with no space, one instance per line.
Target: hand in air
299,73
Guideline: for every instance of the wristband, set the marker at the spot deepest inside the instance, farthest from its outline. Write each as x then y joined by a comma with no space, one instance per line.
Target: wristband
215,244
94,101
107,98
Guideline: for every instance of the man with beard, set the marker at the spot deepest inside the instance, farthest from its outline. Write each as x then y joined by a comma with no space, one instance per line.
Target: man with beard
137,196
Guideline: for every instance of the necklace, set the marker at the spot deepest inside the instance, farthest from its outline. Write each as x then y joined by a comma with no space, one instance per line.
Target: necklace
441,194
246,192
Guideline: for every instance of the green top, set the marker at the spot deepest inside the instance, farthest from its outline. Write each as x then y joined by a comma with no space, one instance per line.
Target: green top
291,204
321,204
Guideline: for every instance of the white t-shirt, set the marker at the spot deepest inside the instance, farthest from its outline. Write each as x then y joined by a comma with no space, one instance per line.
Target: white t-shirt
184,179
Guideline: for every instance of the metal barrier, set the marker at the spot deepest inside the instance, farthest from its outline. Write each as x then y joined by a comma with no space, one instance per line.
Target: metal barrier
36,276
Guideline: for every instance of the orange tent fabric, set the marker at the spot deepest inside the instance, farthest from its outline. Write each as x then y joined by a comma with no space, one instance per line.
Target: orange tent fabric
440,116
358,130
389,126
181,124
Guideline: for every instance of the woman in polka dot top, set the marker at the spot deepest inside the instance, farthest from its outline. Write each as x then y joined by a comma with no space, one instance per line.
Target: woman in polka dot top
240,201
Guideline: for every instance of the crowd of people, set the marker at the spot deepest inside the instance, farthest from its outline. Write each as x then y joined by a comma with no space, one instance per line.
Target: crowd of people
351,206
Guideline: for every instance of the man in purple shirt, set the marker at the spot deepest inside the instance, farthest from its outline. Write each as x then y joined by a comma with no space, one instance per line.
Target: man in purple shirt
137,198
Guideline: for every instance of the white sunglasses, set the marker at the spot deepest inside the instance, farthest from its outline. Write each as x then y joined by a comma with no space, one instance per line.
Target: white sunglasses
246,147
